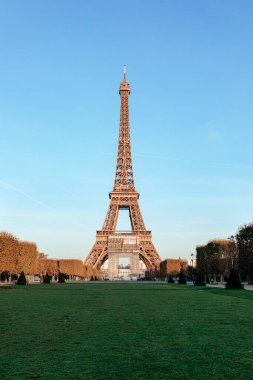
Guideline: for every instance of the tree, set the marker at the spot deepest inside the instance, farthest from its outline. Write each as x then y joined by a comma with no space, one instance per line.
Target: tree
9,248
22,279
27,257
182,279
71,267
47,279
216,258
244,238
41,263
171,280
233,281
199,280
201,260
61,278
191,271
231,255
51,267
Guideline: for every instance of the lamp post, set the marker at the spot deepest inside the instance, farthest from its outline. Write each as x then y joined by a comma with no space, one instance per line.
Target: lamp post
232,239
192,255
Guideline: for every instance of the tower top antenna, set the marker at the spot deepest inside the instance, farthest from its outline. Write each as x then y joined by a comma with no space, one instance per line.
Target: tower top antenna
124,71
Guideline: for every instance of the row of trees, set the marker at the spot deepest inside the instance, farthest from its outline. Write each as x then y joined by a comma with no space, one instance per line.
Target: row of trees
216,259
18,256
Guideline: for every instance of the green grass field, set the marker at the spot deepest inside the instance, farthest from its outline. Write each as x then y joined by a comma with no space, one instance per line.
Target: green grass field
125,331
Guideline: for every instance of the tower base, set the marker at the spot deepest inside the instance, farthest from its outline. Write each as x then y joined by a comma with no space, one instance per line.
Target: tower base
111,245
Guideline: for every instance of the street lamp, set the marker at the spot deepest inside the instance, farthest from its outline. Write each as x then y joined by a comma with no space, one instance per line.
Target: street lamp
192,255
232,239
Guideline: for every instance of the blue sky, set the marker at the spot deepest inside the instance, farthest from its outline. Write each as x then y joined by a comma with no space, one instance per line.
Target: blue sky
189,64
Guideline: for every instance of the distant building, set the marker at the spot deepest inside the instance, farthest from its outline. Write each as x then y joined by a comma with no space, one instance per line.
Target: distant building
124,271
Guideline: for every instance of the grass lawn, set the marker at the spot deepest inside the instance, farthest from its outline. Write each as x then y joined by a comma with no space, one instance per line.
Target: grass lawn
125,331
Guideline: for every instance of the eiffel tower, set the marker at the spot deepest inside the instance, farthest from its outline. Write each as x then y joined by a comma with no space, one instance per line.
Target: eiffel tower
135,244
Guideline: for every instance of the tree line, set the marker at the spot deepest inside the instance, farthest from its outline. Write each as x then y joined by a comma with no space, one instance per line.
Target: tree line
216,258
18,256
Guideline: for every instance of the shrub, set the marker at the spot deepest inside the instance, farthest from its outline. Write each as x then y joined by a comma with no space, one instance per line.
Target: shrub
199,280
61,278
47,279
171,280
22,279
182,279
233,281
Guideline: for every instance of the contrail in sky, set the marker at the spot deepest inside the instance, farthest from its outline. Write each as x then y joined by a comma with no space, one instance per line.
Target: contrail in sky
10,187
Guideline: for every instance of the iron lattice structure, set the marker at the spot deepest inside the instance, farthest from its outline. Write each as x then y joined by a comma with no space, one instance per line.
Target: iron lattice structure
108,240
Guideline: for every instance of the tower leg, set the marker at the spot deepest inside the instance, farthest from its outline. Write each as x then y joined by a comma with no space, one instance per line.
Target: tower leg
113,265
135,264
97,255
